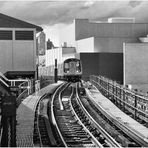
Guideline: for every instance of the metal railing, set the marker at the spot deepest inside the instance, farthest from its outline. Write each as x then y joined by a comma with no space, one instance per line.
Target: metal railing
25,89
11,82
24,86
124,98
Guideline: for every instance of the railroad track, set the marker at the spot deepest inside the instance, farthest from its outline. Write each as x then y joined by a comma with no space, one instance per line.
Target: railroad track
123,139
43,136
122,134
71,131
75,129
76,122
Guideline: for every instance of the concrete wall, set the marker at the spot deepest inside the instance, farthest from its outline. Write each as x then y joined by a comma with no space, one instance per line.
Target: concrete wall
85,45
112,45
86,29
107,64
135,63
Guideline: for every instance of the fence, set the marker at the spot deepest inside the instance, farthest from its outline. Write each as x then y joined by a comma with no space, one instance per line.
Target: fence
123,97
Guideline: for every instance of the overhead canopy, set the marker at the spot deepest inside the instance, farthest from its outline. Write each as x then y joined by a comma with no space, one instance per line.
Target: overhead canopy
11,22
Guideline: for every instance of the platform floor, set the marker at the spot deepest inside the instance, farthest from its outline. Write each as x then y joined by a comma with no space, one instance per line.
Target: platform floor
25,116
117,114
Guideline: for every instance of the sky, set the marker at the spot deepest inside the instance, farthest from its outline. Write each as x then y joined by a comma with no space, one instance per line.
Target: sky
53,14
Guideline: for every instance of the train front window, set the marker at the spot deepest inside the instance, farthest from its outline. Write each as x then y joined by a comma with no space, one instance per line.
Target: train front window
66,67
78,68
77,64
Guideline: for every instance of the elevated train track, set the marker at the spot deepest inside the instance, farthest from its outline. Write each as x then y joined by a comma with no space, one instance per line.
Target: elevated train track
70,131
138,132
132,103
26,117
76,122
75,126
82,110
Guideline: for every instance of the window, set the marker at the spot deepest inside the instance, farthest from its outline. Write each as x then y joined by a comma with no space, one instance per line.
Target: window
24,35
5,35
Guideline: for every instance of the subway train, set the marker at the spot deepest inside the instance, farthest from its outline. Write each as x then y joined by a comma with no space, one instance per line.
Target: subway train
69,70
72,70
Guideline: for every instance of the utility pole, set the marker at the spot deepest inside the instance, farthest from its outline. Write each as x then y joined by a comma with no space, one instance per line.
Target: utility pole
55,72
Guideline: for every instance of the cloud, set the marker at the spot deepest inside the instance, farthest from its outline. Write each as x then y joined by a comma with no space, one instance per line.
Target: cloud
88,4
134,3
53,12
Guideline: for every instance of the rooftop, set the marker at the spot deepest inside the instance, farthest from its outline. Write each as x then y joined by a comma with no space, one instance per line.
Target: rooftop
11,22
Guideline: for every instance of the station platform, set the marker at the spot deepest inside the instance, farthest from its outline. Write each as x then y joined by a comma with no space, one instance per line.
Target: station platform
25,116
116,114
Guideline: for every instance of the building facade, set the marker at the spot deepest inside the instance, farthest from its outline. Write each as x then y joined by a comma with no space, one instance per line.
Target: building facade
17,47
41,43
125,38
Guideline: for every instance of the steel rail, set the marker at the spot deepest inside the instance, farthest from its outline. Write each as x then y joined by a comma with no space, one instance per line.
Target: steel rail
97,143
85,129
111,141
38,128
37,107
133,134
126,103
59,97
37,116
53,116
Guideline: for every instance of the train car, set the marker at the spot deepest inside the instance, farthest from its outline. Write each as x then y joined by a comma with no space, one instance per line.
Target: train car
72,70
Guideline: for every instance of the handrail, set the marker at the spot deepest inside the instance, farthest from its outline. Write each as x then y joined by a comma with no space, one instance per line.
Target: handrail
118,93
25,93
3,76
21,97
12,81
4,82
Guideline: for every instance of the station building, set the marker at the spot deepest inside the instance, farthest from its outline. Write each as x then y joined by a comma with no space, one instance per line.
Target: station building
17,47
116,48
